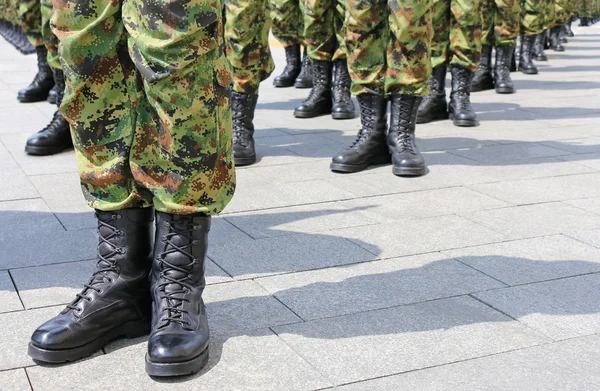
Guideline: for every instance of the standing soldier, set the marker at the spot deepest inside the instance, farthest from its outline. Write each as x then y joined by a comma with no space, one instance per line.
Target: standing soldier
288,28
500,28
247,42
389,44
560,18
56,136
532,27
148,105
456,41
324,32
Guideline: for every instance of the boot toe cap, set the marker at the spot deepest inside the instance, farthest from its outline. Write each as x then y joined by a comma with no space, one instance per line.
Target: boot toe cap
53,335
172,348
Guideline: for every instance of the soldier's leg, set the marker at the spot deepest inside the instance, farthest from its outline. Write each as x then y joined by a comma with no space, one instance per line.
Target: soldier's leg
483,79
31,21
287,27
247,40
532,26
343,107
506,30
556,30
56,136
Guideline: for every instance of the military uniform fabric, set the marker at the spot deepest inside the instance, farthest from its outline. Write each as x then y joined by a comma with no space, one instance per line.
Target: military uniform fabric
247,40
148,103
457,33
287,18
50,40
500,22
324,29
30,16
533,17
389,46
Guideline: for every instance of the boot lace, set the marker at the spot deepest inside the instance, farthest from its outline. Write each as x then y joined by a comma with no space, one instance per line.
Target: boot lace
402,135
105,266
54,125
341,90
240,135
175,313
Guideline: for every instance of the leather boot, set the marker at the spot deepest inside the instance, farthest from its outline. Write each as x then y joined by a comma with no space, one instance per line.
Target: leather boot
483,79
343,107
305,78
292,67
369,147
503,81
243,107
43,81
52,95
513,61
434,106
115,302
562,36
526,64
555,39
567,29
584,22
319,100
459,107
406,157
179,341
538,48
56,137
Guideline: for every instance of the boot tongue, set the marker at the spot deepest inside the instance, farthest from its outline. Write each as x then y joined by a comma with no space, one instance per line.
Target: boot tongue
178,259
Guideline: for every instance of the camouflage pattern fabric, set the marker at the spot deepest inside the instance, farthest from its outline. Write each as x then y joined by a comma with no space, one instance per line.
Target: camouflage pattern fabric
147,97
10,26
30,15
561,11
247,39
324,29
549,14
457,33
9,11
50,40
288,21
500,22
389,46
533,16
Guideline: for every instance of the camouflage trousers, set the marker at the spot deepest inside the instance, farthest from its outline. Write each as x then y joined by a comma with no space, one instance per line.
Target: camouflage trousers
288,21
324,29
533,16
549,14
500,22
457,33
561,11
389,46
50,40
30,16
247,40
9,11
147,98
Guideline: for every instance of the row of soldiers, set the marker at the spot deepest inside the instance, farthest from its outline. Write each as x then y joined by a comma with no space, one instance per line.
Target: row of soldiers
145,90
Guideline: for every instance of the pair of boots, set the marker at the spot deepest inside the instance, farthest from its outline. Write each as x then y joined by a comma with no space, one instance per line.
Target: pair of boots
499,78
375,144
556,38
330,93
434,107
526,64
297,72
138,287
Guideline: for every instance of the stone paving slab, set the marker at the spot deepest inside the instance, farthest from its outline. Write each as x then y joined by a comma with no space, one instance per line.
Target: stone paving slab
9,299
14,380
569,365
389,341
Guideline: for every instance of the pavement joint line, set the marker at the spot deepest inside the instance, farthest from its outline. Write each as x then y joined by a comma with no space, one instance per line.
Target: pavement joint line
16,288
28,379
482,272
581,241
277,298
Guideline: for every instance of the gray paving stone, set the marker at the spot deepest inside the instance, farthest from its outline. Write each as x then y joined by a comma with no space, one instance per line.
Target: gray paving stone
589,204
256,361
591,237
578,145
76,217
531,260
24,118
21,325
284,254
499,154
591,160
9,300
15,380
20,186
561,309
535,220
374,285
409,237
423,204
68,194
223,233
32,215
299,219
384,342
569,365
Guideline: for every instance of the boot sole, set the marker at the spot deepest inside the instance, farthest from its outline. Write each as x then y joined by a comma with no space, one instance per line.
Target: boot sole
313,114
399,171
28,99
177,369
43,151
479,89
343,115
246,161
303,85
463,122
505,90
283,85
350,168
437,117
129,330
528,71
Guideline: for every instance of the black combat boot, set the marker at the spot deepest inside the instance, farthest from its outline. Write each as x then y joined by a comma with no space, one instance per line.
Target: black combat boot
526,64
513,60
562,36
503,81
584,22
369,147
319,100
434,106
406,157
555,39
483,79
56,137
538,48
305,78
242,108
292,67
115,302
178,344
459,107
43,81
52,95
567,29
343,107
